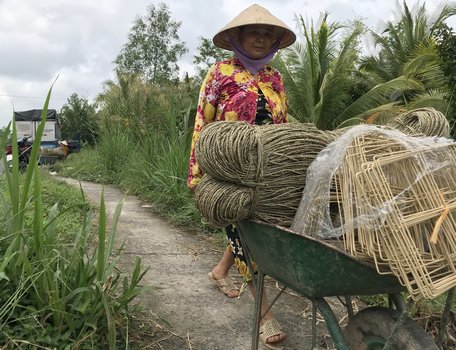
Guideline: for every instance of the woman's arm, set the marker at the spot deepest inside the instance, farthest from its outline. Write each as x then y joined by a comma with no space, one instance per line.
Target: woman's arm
205,113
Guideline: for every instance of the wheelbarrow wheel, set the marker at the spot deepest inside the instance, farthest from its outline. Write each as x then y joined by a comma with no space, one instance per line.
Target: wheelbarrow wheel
370,329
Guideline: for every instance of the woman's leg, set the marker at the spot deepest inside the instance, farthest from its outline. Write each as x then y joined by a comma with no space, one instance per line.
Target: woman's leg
223,267
277,338
241,263
219,273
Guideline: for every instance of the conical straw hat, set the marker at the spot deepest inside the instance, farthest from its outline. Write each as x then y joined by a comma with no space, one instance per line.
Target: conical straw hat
254,14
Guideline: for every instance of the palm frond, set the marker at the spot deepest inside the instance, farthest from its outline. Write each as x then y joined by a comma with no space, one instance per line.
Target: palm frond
448,10
431,98
334,89
425,66
373,115
317,72
378,96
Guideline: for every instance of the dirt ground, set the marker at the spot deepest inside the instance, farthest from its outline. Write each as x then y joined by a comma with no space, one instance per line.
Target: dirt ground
182,309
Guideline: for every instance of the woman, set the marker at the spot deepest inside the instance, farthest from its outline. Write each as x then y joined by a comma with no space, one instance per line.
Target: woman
243,88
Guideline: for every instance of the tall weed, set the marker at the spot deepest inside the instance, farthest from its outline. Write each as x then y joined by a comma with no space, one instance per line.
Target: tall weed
114,150
166,169
84,165
131,103
166,172
58,291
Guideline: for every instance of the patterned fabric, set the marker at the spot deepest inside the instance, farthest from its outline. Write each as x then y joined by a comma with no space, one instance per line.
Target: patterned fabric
235,247
229,92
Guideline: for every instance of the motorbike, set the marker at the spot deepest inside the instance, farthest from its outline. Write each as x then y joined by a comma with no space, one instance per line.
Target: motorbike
24,151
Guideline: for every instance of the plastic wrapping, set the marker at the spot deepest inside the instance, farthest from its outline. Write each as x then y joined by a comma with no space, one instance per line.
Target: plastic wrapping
315,214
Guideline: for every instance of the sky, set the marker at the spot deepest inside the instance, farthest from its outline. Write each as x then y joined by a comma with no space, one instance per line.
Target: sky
74,43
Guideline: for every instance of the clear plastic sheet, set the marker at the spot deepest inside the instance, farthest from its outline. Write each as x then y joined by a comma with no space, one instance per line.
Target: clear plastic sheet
313,216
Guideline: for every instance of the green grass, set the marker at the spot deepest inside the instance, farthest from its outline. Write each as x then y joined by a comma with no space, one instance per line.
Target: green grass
83,166
61,287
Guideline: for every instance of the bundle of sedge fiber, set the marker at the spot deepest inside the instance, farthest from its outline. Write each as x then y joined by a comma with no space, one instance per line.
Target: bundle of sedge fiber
417,122
255,171
422,121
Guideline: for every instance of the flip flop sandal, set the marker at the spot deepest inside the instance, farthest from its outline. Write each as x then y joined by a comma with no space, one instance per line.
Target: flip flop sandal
225,285
269,329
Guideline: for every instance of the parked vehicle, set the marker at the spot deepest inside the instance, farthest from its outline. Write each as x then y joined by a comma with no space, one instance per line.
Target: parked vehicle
50,152
24,151
27,124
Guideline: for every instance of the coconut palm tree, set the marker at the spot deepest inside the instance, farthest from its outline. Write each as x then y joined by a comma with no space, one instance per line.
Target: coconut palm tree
332,87
404,40
408,51
318,73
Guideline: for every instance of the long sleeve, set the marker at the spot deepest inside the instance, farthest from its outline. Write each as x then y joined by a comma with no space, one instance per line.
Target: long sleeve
205,114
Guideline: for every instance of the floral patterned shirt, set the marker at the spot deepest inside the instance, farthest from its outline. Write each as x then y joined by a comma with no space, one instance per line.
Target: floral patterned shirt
230,93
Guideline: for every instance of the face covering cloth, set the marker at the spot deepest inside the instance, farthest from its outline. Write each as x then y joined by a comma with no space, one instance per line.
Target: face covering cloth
253,65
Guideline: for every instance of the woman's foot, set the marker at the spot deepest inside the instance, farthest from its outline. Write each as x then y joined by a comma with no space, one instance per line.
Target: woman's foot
224,283
271,333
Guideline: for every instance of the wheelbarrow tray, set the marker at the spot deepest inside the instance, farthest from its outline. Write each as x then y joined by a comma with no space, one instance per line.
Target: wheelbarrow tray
311,267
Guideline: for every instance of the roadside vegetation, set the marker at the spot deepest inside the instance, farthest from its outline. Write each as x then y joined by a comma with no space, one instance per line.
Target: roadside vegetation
137,137
61,287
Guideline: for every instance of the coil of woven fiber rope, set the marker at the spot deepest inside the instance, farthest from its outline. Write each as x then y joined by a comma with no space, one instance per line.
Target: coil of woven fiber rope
267,162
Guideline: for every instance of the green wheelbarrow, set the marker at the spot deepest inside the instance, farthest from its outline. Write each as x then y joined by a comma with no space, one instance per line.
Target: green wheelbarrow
316,269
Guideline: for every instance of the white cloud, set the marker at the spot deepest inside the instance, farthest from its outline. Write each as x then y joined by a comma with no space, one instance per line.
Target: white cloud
79,40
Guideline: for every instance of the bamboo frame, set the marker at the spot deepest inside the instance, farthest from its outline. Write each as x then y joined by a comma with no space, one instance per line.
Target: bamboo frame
397,207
